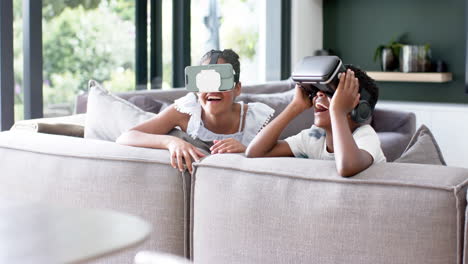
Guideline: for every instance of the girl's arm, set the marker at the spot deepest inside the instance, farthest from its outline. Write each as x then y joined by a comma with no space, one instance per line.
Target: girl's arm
152,134
266,143
349,159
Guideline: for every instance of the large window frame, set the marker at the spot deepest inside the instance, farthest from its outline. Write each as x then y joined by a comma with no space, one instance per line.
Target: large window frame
32,44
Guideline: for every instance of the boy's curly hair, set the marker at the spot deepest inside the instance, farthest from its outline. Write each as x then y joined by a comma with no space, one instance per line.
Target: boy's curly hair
229,56
366,82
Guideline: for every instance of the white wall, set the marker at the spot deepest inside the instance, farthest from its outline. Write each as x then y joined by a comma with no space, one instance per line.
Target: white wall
307,29
447,122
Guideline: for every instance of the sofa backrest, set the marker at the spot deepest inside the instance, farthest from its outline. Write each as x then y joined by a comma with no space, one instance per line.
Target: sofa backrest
86,173
169,96
395,128
290,210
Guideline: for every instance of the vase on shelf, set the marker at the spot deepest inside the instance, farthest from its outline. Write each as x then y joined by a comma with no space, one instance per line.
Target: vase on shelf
389,60
415,58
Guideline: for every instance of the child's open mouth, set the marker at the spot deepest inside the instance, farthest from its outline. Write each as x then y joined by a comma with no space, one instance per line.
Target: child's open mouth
319,108
213,98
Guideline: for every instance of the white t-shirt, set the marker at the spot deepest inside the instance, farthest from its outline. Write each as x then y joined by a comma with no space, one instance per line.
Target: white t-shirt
311,143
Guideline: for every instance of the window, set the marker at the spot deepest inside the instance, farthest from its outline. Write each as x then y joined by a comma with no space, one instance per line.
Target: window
167,43
82,40
230,24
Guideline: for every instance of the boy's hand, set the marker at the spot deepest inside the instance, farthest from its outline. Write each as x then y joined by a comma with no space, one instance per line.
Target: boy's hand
228,145
301,99
347,95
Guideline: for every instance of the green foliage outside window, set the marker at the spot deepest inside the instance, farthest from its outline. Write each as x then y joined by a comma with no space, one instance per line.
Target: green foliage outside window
82,40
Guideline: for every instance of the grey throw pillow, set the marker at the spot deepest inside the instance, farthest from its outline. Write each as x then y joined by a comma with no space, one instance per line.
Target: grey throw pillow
422,149
279,101
148,104
108,115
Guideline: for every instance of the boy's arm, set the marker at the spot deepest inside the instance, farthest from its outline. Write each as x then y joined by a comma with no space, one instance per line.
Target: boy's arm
266,143
350,160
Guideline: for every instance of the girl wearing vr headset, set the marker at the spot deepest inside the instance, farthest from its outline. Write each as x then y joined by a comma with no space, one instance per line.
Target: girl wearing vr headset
335,134
210,120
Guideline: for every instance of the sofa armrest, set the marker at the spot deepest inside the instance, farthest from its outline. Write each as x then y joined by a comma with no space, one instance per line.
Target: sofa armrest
385,120
66,126
395,130
290,210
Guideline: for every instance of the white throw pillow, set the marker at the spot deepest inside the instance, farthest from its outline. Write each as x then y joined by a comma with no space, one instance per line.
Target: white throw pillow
108,115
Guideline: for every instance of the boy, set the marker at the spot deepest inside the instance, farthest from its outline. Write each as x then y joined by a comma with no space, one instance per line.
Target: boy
334,135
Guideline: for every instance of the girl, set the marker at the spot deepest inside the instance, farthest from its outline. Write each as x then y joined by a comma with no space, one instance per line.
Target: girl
227,126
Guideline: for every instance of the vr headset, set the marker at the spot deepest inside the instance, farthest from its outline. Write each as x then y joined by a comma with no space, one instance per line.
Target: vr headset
320,73
210,78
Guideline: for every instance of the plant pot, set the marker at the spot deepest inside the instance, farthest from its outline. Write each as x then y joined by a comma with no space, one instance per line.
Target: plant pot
389,60
415,58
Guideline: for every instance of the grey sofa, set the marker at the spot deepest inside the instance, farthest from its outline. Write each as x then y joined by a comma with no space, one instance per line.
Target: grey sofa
239,210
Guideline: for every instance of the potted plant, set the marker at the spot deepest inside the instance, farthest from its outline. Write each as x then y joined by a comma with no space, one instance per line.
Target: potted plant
388,55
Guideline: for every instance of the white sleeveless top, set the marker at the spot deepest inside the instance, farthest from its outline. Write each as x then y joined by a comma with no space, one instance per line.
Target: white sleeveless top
257,116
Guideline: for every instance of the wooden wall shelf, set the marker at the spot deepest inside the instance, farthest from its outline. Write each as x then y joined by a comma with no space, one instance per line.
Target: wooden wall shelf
434,77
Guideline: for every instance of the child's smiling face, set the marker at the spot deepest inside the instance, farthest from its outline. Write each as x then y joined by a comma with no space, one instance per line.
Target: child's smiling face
321,104
217,102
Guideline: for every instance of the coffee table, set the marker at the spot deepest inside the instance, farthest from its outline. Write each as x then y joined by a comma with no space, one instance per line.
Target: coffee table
40,233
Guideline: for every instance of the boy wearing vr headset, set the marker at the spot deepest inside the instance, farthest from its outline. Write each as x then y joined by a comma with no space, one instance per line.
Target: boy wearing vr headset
339,131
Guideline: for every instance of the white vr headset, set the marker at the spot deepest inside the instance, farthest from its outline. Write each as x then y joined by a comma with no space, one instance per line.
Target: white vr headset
210,78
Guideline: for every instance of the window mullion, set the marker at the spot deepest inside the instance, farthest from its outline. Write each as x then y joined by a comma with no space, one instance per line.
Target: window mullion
180,41
7,114
32,52
141,48
156,68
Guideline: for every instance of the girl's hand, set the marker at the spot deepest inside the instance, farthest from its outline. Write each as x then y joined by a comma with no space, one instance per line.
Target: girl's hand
301,99
347,95
182,151
228,145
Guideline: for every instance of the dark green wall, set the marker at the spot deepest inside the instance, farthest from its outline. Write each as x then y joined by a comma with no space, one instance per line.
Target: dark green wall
353,29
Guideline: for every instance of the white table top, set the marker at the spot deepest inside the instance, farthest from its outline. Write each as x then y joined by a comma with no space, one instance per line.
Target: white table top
39,233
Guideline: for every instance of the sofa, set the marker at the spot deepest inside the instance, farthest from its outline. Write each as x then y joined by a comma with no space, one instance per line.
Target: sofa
233,209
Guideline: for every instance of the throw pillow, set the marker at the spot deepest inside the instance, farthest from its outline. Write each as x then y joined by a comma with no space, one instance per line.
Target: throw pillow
422,149
279,101
108,116
148,104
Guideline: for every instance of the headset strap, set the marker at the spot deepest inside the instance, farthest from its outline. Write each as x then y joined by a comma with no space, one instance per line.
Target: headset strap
214,56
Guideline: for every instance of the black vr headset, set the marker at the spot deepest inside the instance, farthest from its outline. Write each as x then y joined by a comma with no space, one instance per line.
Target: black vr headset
320,73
